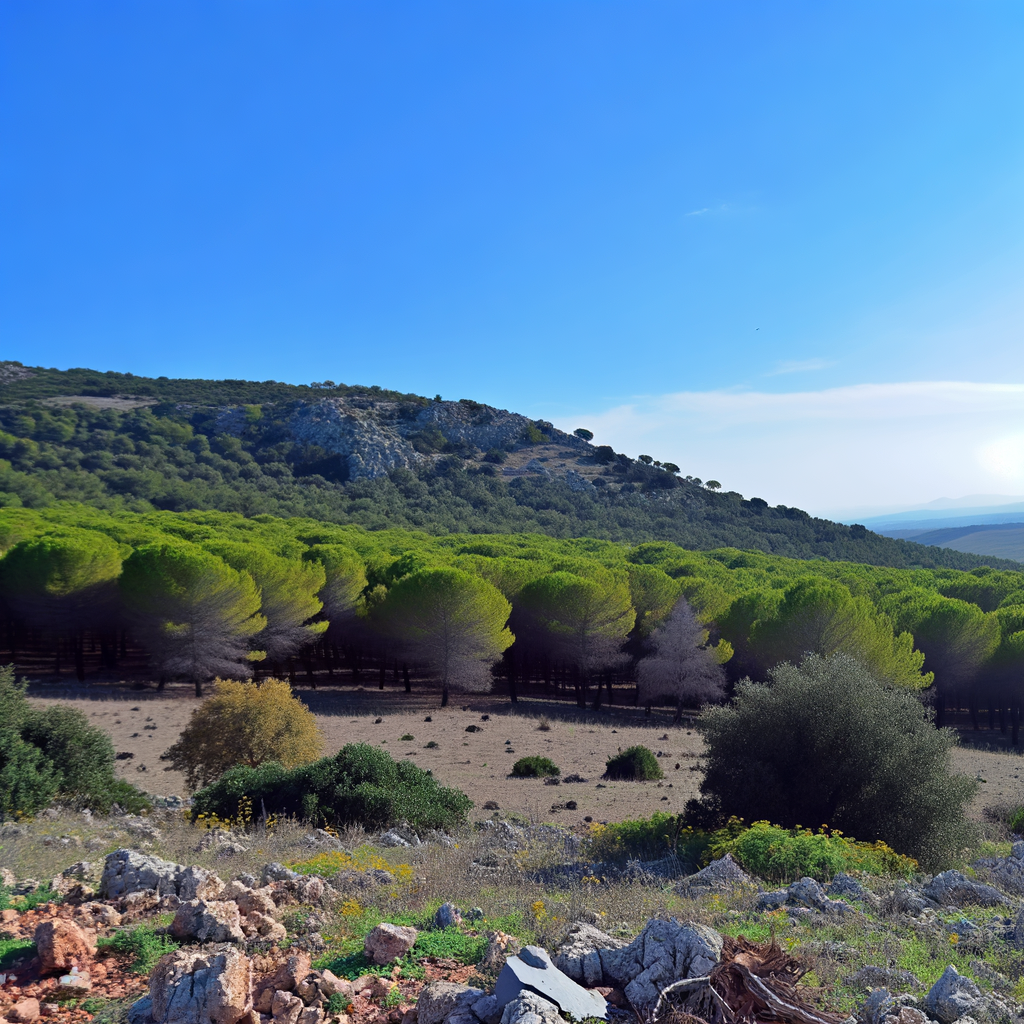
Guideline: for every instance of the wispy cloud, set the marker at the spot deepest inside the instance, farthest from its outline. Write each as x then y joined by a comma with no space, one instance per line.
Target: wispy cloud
902,443
700,212
800,366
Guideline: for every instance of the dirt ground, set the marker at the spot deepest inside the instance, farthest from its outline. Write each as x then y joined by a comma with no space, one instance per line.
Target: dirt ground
145,724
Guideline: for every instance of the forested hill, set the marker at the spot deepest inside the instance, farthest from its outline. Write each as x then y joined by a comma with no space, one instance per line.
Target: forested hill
379,459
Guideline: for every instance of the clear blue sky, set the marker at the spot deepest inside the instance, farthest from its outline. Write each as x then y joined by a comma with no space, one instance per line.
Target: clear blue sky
564,208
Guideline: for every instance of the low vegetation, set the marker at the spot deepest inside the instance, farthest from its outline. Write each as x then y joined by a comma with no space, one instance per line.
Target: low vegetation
358,785
535,767
635,764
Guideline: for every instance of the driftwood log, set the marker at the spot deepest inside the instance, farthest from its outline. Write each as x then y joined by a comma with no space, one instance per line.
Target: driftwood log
753,983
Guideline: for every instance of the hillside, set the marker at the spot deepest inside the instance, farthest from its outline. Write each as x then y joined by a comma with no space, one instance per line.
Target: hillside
378,459
1003,540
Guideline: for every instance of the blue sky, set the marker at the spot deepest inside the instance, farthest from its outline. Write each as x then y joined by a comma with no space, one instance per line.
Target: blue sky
730,233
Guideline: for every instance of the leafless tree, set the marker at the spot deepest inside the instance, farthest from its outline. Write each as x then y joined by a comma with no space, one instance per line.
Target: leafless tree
680,666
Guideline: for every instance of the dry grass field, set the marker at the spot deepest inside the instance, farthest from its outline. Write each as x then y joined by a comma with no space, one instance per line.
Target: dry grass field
144,724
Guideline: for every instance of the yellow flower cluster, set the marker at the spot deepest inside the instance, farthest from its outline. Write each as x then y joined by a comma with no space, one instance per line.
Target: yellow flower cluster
242,820
364,858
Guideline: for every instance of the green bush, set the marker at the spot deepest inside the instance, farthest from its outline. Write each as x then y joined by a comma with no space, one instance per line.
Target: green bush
535,768
1016,820
359,784
780,855
827,742
142,944
637,839
50,753
637,763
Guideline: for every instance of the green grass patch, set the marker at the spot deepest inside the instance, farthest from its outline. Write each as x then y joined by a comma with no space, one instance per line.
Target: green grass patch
13,950
450,944
141,944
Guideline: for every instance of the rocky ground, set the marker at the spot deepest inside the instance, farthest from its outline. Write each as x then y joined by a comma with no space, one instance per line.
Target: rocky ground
158,921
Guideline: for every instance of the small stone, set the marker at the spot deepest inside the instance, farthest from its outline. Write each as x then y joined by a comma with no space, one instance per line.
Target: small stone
447,916
286,1007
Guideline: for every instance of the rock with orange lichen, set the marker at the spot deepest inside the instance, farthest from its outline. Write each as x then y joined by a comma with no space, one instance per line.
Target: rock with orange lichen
61,945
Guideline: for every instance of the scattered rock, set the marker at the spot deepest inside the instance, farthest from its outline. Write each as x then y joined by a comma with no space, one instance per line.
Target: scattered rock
277,873
387,942
530,1008
1006,872
499,948
884,977
199,884
532,970
579,956
805,893
24,1010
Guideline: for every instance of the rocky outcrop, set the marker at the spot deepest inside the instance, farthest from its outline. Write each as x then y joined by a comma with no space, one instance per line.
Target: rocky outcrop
62,945
193,986
953,889
1005,872
720,875
580,955
807,894
128,871
208,921
953,997
442,1000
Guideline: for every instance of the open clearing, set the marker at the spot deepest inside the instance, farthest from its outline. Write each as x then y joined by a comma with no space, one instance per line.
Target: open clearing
145,724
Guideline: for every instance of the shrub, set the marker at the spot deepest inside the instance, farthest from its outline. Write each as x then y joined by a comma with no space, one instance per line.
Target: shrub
408,736
636,763
782,855
363,858
248,724
142,945
53,752
360,784
827,742
535,768
640,839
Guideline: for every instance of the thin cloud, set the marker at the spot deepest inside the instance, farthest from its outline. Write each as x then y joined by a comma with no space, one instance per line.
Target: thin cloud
700,212
879,444
800,366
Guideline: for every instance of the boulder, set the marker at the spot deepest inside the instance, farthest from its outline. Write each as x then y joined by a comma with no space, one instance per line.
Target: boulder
953,889
953,996
532,970
719,876
278,873
579,955
128,871
208,921
500,947
73,985
192,986
388,942
62,945
199,884
845,886
24,1010
486,1008
447,916
440,999
286,1007
884,977
663,952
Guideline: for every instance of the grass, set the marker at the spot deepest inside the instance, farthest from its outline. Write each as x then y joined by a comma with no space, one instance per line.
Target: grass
13,950
141,944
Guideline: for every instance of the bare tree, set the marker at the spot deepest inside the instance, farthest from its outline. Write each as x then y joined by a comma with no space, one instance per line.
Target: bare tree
681,667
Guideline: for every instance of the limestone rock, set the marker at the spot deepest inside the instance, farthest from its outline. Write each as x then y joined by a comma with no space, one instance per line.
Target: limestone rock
263,926
440,999
199,884
804,893
128,871
24,1010
286,1008
953,996
500,947
291,971
387,942
1006,872
74,985
530,1008
208,921
97,915
579,956
532,970
278,873
720,875
192,986
62,945
953,889
884,977
662,953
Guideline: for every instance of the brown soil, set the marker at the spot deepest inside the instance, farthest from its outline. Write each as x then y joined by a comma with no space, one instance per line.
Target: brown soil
145,724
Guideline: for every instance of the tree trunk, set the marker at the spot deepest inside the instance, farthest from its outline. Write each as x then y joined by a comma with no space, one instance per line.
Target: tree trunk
79,647
382,675
444,694
405,679
199,687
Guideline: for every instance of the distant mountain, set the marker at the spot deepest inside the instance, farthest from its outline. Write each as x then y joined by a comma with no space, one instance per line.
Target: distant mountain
380,459
1003,540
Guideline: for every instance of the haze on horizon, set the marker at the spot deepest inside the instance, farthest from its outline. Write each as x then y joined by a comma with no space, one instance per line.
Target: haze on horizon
780,246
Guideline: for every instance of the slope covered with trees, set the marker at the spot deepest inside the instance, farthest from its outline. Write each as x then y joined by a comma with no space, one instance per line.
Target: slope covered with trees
378,459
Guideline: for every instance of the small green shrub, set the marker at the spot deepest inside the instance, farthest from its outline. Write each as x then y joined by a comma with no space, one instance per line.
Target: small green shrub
637,764
535,768
142,944
638,839
780,855
450,944
408,736
13,950
337,1003
432,745
358,784
1016,820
